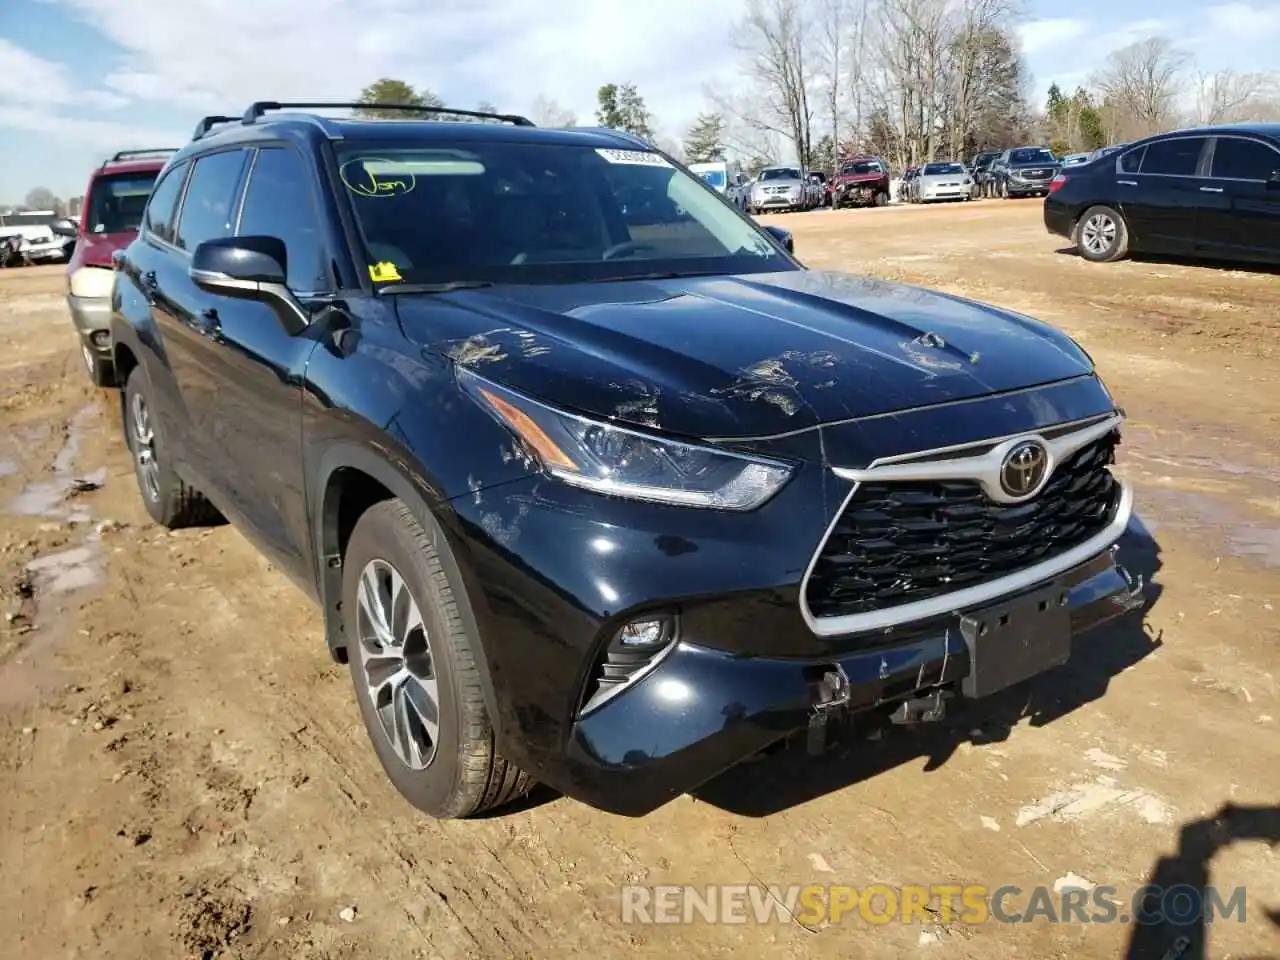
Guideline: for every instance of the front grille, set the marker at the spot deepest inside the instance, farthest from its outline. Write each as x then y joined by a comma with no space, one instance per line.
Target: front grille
904,541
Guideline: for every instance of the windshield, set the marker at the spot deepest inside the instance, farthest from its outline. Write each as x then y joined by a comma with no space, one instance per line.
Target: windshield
116,202
861,167
780,173
541,213
713,177
1032,155
935,169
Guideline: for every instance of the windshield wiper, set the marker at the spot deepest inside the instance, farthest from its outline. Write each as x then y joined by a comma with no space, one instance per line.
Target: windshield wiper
660,275
445,287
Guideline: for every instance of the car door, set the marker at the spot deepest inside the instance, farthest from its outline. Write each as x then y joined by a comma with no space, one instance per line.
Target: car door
140,269
1240,211
256,421
183,312
1161,198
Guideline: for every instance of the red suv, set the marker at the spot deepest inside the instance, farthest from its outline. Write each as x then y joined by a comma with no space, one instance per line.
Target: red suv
109,220
861,181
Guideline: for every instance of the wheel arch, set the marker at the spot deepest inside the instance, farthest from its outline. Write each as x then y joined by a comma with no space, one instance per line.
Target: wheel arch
349,480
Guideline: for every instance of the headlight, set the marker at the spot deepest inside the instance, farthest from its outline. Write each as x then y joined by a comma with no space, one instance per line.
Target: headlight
92,282
618,462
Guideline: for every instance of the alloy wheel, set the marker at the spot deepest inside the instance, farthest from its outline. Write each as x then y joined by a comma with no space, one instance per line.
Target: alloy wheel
1098,234
144,448
397,664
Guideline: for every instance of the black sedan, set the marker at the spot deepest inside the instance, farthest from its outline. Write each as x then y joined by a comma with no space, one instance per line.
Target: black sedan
1212,192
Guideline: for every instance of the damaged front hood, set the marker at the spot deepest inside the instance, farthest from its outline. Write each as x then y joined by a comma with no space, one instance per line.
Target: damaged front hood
743,356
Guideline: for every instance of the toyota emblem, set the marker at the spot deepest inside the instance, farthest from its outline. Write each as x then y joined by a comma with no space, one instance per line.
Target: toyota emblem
1024,469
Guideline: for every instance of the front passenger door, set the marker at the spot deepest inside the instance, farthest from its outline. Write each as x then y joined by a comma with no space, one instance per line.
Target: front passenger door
1241,215
256,424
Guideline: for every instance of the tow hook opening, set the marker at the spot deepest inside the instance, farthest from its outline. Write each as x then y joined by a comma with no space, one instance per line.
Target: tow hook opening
930,707
828,696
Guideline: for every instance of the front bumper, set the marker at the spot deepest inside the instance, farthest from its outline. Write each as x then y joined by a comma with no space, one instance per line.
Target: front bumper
91,315
702,711
1022,188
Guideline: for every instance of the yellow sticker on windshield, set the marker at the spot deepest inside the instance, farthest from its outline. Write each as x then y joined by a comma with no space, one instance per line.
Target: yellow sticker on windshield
384,272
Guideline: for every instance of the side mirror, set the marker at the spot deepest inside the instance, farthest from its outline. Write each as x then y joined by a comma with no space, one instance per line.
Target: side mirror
63,228
783,237
248,268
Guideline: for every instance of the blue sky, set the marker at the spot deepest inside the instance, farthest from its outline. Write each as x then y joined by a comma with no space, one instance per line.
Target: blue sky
82,78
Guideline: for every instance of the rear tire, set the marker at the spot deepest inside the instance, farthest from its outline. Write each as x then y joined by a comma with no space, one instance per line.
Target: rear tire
1101,235
456,770
169,500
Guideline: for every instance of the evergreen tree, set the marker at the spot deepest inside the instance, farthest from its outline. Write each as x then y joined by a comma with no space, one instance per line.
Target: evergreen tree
704,142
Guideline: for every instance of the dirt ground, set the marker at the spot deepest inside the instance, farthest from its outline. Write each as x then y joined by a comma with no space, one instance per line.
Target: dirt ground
184,773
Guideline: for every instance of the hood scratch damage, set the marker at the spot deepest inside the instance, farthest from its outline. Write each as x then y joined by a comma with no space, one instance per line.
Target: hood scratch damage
477,349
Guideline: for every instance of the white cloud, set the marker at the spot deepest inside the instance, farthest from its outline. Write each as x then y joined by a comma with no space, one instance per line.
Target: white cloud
1135,31
1243,21
1040,35
29,79
212,56
96,134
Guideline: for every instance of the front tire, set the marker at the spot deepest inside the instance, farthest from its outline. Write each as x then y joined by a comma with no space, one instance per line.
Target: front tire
1101,235
413,663
169,500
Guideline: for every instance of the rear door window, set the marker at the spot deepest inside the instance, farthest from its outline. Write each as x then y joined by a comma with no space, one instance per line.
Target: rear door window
1235,158
164,198
1176,157
207,210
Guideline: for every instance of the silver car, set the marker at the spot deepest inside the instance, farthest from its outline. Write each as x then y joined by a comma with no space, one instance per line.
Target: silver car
943,180
781,189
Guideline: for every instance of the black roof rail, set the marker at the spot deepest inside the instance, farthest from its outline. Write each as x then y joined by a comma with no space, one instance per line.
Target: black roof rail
256,110
208,123
154,152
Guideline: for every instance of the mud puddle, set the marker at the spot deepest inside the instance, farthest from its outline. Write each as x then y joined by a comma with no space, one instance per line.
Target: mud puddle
66,574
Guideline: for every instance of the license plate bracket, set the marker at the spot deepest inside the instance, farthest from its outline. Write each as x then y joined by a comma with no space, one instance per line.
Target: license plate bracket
1016,639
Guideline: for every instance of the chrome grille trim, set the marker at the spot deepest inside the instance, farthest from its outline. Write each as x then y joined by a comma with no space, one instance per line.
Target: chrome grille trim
918,466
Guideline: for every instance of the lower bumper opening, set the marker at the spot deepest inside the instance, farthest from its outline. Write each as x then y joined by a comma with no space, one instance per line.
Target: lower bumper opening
699,711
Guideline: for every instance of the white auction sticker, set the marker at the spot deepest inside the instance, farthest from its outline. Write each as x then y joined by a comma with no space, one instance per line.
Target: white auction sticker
642,157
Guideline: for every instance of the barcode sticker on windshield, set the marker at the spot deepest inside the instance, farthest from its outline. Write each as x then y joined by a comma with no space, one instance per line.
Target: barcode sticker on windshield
641,157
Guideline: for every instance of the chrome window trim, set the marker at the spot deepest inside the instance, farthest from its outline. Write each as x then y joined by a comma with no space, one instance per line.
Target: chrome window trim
975,468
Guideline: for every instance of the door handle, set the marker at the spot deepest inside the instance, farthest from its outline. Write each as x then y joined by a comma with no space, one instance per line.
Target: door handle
1210,189
1127,183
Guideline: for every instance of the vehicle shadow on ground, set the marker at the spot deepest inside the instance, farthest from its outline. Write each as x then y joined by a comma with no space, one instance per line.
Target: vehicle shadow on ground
1186,891
1237,266
871,746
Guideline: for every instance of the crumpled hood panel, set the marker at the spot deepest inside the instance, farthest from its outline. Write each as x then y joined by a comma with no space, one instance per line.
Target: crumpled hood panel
745,356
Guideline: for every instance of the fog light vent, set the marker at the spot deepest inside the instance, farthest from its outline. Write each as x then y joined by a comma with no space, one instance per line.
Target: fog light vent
101,339
635,649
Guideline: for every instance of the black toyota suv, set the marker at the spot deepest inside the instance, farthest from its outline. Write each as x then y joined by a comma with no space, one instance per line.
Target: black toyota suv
610,504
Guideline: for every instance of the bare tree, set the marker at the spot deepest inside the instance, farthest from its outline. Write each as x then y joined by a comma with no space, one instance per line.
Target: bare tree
1227,95
776,40
1141,83
833,27
547,113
